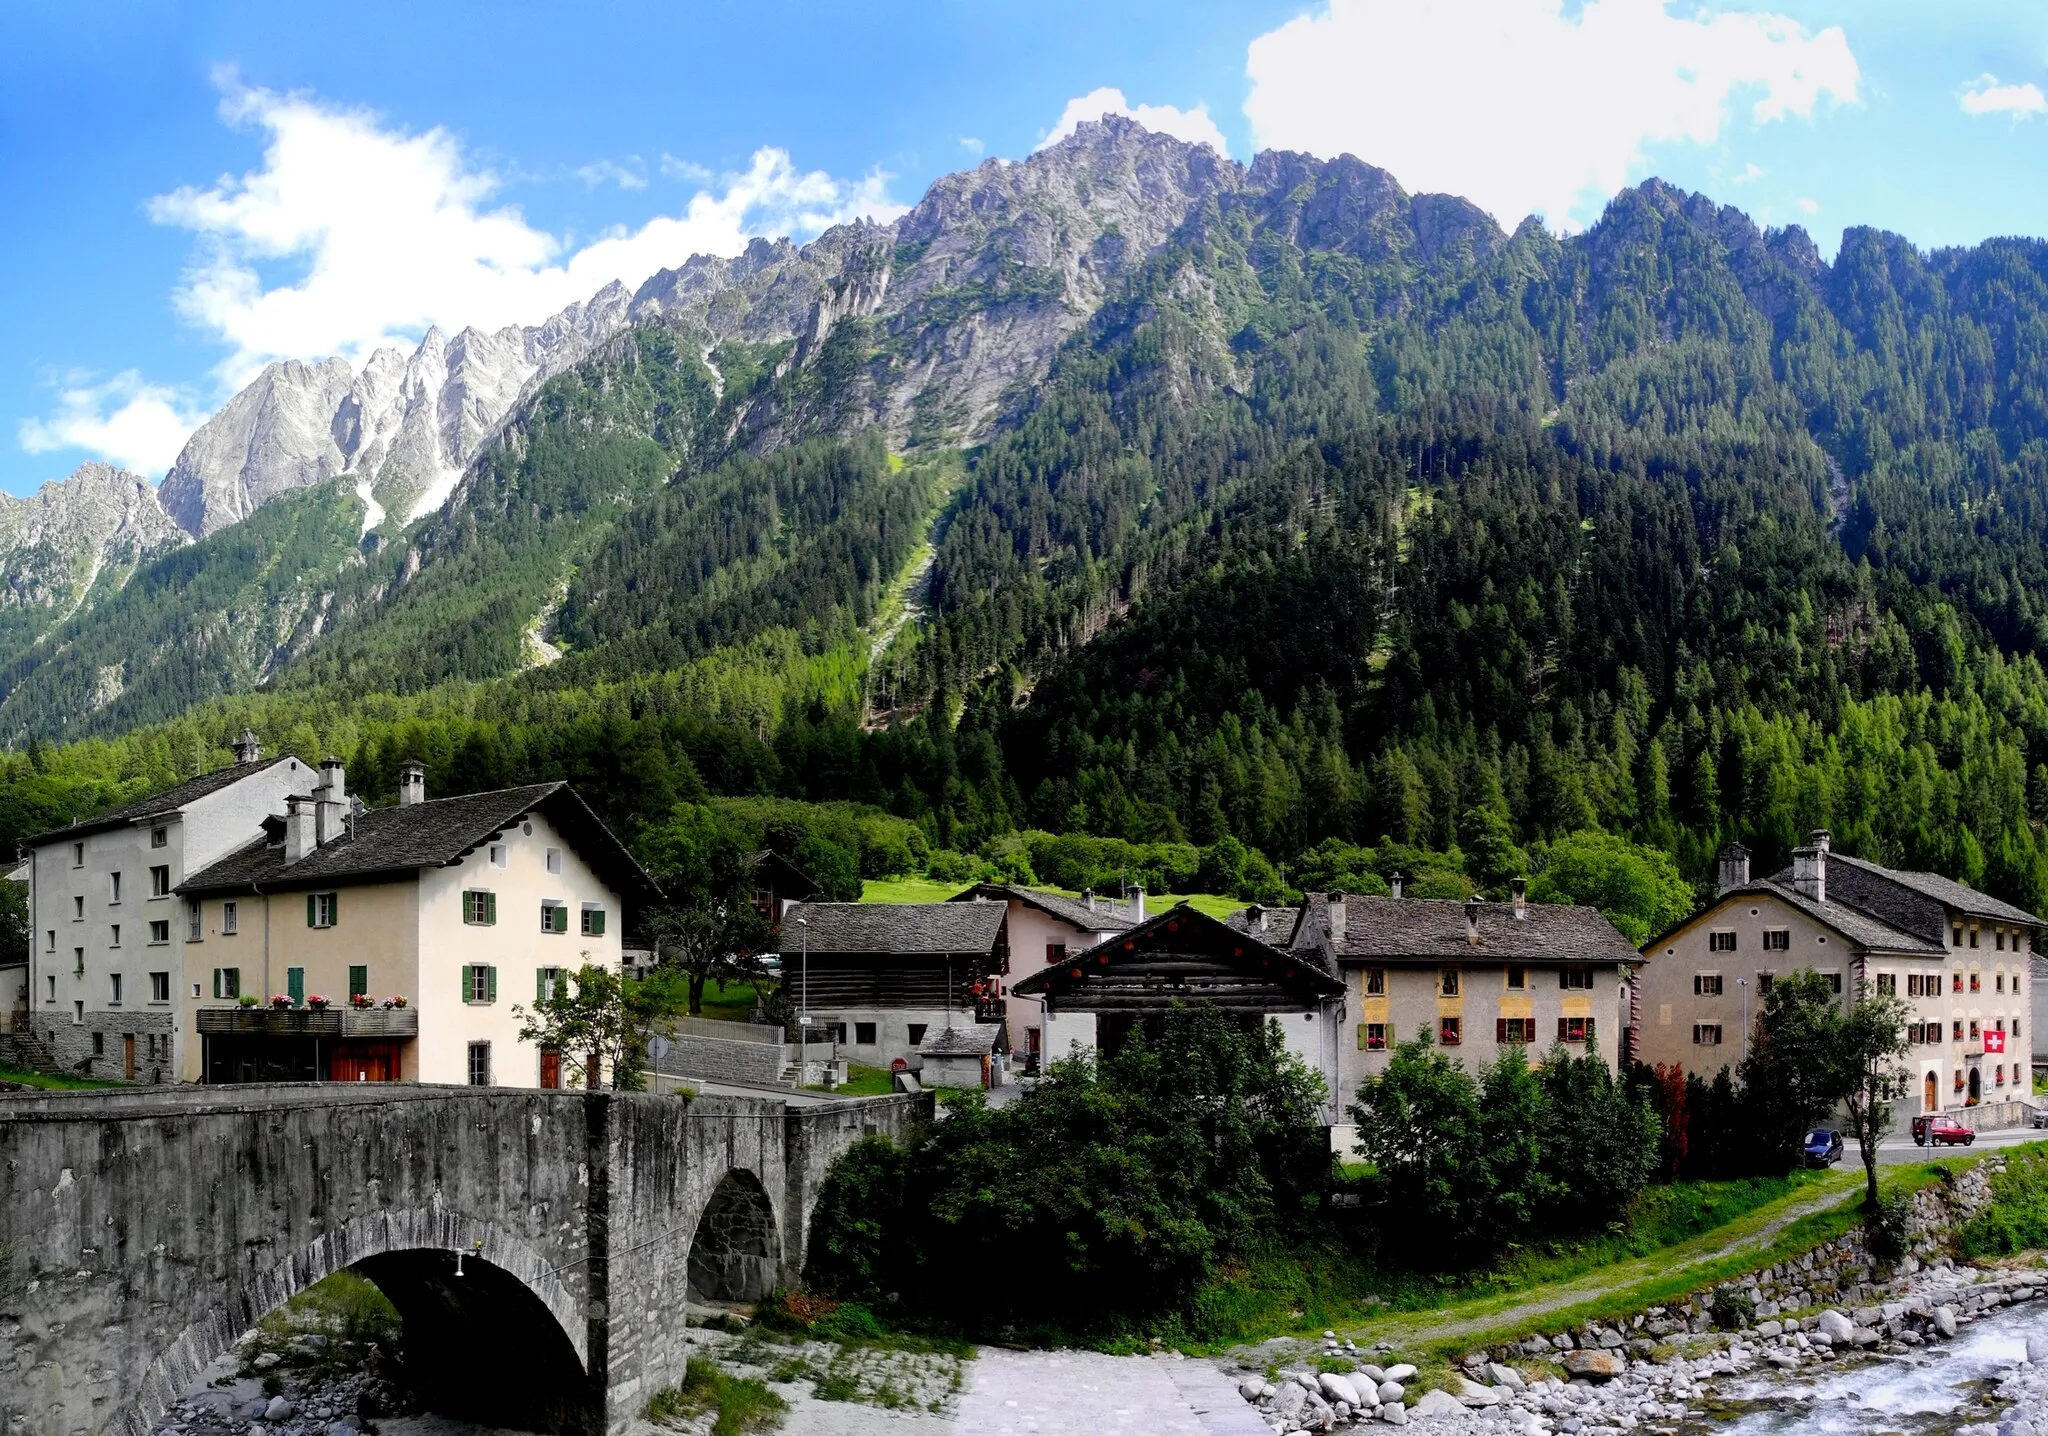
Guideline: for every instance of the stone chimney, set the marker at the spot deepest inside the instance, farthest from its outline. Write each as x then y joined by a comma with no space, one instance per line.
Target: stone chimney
1137,904
330,802
1520,888
1333,907
412,783
247,749
1088,897
1734,869
1472,922
298,827
1810,866
1255,918
1396,882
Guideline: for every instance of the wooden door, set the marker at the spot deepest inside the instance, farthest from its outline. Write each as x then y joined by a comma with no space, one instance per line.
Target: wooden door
550,1067
128,1056
1933,1093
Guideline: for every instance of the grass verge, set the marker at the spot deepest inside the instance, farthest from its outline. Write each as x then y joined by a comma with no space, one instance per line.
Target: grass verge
742,1403
50,1083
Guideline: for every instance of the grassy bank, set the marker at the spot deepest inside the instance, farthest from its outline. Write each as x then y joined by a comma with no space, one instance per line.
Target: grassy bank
50,1083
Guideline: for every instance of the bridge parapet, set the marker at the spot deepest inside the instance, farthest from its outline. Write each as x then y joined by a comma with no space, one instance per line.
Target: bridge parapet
143,1230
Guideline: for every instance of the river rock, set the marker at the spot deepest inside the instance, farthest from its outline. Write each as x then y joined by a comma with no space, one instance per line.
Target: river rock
1394,1414
1399,1371
1437,1403
1287,1405
1368,1372
1251,1388
1835,1326
1339,1388
1594,1363
1471,1393
1864,1336
1505,1376
279,1409
2037,1350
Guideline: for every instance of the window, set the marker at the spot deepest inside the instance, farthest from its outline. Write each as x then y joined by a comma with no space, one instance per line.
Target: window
1976,981
160,930
1958,1030
554,915
295,984
113,887
159,987
159,837
555,861
1998,939
1575,1029
479,1064
499,855
1518,979
864,1034
78,1012
227,982
193,914
1998,981
1916,985
593,920
1706,1034
1958,984
50,988
1055,954
546,982
1721,942
160,881
50,940
479,983
1706,984
1448,982
78,961
1448,1031
1514,1029
114,988
358,980
78,855
1955,935
1888,982
229,916
1973,937
99,1044
323,909
2015,1029
1777,939
1372,1037
1973,1029
1375,982
78,908
916,1034
1763,983
1575,979
115,940
479,909
1835,981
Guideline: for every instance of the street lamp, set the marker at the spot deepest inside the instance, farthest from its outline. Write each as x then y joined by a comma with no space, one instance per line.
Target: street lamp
803,1018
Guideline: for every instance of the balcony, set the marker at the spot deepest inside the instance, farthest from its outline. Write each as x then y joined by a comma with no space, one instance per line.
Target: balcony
309,1022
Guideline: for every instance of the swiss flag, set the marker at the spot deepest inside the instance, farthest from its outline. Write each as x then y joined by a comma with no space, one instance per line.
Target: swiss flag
1994,1041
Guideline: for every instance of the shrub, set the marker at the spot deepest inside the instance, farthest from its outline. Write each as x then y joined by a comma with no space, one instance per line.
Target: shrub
1887,1230
2017,1219
1731,1309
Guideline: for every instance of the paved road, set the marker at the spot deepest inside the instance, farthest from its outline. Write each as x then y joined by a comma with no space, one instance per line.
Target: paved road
1899,1149
1084,1393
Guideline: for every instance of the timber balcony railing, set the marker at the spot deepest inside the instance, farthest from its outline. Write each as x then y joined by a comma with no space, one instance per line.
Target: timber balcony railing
309,1022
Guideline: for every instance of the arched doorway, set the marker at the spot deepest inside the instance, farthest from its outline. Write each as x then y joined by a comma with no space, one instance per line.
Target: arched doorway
468,1323
1933,1099
1976,1084
734,1255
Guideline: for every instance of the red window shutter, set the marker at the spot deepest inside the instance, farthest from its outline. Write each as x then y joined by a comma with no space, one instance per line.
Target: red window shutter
1500,1029
1561,1029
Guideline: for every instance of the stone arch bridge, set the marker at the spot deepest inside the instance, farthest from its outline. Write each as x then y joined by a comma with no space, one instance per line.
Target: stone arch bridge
539,1245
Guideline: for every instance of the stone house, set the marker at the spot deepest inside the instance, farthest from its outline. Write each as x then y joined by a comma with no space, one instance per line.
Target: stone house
1480,978
1043,927
1961,959
109,991
879,978
462,907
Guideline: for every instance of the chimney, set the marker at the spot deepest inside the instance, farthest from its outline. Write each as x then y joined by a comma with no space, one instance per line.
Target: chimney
1520,888
298,827
1255,918
1088,897
247,749
1395,882
1137,904
1472,922
412,783
1334,907
330,800
1810,866
1734,869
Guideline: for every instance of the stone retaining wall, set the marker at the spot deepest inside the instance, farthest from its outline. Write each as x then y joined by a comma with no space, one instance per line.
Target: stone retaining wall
720,1059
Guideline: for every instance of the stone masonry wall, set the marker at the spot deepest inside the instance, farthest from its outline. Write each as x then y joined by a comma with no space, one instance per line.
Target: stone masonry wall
720,1059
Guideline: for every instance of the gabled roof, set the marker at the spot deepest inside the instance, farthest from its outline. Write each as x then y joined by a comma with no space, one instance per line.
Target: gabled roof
159,805
1946,891
769,859
899,929
976,1041
386,842
1865,932
1179,930
1391,929
1068,910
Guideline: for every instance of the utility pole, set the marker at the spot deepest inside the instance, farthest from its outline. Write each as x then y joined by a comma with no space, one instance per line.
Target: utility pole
803,1018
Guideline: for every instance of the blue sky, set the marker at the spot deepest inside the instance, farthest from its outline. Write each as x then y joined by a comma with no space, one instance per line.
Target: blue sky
196,189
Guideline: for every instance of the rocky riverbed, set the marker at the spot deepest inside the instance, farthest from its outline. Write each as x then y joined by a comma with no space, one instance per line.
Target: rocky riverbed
1957,1350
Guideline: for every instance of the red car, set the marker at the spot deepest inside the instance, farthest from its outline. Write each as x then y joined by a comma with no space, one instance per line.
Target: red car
1942,1131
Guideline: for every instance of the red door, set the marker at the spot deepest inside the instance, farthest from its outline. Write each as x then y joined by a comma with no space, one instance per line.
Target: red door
550,1067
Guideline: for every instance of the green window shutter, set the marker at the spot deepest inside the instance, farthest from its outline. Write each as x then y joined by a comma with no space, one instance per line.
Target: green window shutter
310,920
358,981
540,984
490,907
295,983
597,922
467,990
561,919
490,984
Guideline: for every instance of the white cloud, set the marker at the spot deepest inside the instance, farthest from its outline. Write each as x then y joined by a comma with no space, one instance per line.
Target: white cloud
1808,205
1194,125
389,232
1751,173
626,176
972,145
1522,107
1985,96
685,170
135,424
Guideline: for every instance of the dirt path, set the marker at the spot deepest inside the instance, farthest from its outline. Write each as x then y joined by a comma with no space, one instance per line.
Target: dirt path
1493,1312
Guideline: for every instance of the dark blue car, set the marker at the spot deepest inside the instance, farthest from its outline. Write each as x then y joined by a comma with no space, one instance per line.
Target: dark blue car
1823,1147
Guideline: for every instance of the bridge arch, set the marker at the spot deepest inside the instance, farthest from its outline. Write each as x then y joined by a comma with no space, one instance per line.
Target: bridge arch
736,1249
507,1303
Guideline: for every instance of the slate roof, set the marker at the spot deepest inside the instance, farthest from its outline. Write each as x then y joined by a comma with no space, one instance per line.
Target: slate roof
976,1041
169,801
1068,910
1945,891
389,841
1866,931
902,929
1279,926
1312,962
1390,929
